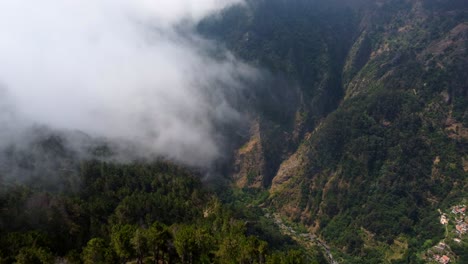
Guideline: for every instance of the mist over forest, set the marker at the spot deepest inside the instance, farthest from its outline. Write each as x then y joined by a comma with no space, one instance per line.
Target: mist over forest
124,71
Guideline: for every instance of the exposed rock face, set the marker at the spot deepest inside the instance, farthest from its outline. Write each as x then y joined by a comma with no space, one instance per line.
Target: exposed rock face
404,54
376,127
288,170
249,168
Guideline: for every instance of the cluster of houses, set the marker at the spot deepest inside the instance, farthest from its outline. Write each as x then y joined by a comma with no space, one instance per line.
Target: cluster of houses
438,255
441,253
444,259
461,226
459,209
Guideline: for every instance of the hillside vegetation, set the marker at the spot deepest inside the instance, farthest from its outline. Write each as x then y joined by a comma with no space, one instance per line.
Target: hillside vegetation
374,139
137,213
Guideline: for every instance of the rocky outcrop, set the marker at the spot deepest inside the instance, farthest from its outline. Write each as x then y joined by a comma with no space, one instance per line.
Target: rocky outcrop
249,166
289,169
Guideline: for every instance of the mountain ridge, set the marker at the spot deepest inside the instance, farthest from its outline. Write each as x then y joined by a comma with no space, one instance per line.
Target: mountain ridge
403,81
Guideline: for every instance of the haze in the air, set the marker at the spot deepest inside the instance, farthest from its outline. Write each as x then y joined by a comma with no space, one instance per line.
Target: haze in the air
130,70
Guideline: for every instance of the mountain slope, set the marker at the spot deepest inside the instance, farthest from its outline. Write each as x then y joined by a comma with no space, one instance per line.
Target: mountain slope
376,140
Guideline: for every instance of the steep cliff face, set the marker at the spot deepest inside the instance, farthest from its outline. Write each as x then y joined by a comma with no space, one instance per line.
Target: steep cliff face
376,137
249,166
371,164
302,47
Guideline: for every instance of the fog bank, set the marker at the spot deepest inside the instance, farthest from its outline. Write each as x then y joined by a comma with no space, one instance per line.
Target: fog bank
126,70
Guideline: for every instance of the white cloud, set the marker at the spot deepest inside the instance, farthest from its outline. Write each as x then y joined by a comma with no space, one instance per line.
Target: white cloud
119,69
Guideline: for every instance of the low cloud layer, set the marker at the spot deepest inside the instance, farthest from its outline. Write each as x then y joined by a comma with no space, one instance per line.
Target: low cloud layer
129,70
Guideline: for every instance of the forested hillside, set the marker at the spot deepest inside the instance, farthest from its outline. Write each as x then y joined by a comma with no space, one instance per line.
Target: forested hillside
375,102
139,212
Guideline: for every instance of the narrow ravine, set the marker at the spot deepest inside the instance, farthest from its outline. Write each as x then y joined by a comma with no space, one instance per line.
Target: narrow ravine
307,240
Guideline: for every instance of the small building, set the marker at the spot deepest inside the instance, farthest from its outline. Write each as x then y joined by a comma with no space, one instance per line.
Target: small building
459,209
444,259
440,247
443,219
461,228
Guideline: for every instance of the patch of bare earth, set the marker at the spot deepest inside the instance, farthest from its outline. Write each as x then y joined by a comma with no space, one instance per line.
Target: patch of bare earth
288,169
455,130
